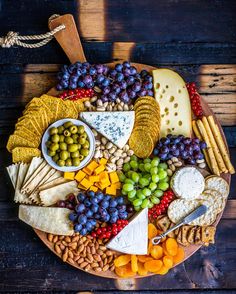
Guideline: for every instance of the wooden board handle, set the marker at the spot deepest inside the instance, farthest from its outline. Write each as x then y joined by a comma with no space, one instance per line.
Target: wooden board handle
68,38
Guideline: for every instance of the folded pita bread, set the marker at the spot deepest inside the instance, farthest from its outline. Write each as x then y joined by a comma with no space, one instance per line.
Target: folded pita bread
50,196
54,220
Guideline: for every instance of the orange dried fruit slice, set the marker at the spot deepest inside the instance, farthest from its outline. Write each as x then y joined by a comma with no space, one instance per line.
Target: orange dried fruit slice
179,256
122,260
163,271
124,271
141,269
144,258
171,246
152,231
153,265
168,261
156,251
134,263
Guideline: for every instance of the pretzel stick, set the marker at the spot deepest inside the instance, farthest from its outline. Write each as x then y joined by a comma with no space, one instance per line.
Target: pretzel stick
219,140
203,132
215,148
198,135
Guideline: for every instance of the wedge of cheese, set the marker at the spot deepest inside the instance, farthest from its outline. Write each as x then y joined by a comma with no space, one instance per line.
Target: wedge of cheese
116,126
172,96
133,239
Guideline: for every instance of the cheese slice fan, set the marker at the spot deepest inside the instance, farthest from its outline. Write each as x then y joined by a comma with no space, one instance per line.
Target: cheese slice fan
52,220
116,126
133,239
173,98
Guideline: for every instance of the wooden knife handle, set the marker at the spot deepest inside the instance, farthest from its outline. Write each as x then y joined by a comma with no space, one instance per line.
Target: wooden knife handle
68,38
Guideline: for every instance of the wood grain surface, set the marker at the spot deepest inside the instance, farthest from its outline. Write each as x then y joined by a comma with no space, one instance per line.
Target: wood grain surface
196,38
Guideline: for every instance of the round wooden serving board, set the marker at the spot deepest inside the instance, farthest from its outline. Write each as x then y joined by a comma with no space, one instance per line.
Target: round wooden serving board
65,41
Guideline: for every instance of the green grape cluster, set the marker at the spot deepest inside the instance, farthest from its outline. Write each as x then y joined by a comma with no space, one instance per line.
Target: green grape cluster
144,181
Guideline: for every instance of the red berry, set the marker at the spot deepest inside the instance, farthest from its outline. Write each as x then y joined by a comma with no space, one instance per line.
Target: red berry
93,234
99,231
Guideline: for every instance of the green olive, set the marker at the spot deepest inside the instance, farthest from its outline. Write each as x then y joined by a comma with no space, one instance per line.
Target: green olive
84,135
61,162
81,157
51,153
73,129
62,138
55,158
86,145
75,154
60,129
69,140
75,138
63,146
84,152
76,161
81,129
66,133
72,147
53,131
67,124
79,146
48,144
82,140
55,138
68,162
54,146
64,155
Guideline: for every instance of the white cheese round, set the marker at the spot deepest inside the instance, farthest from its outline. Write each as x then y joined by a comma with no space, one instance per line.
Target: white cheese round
188,183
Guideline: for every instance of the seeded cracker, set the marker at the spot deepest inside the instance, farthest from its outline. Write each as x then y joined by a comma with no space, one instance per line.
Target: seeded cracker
16,141
141,143
24,154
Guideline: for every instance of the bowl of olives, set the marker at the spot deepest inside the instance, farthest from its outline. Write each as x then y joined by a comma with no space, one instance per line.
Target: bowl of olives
68,145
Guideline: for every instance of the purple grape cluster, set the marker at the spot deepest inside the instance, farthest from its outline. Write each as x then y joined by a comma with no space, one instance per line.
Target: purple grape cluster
187,149
93,207
123,82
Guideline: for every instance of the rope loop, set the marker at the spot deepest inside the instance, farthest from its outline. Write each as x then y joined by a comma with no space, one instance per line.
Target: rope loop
13,38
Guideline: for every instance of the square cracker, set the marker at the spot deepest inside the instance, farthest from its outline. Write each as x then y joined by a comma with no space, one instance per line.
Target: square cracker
16,141
24,154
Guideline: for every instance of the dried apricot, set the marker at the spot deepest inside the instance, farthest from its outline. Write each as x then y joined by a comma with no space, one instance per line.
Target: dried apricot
152,231
179,256
141,270
124,271
156,251
171,246
168,261
144,258
149,246
153,265
164,248
134,263
122,260
163,270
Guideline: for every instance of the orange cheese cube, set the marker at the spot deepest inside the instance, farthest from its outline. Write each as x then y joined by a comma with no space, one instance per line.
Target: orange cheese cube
94,179
81,187
111,190
114,177
103,161
104,176
93,188
102,186
80,175
69,175
91,166
117,185
87,171
86,183
99,169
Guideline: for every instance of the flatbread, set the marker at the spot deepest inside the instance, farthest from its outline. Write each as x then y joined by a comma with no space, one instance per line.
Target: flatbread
20,197
33,175
53,183
52,220
50,196
34,164
13,173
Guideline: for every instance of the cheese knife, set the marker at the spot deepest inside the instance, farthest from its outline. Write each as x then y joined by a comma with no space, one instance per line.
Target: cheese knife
199,211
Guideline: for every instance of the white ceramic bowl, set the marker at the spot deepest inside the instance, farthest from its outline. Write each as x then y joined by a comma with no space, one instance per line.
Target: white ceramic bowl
83,162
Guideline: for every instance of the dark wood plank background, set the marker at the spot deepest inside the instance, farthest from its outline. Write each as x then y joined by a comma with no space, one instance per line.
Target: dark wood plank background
196,38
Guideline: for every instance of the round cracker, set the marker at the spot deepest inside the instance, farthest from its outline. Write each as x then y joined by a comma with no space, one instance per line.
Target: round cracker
141,143
218,184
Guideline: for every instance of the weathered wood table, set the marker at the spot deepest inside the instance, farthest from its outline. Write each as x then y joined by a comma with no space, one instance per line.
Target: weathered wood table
196,38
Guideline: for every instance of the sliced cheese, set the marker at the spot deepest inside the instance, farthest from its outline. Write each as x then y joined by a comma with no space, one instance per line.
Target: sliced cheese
173,98
54,220
116,126
133,239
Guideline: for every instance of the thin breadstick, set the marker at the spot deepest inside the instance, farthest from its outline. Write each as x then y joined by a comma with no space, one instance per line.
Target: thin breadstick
220,142
198,135
215,148
203,132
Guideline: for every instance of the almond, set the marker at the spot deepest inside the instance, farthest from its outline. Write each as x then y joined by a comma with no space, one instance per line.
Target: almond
55,239
80,260
105,268
57,249
50,237
83,264
87,268
65,255
71,260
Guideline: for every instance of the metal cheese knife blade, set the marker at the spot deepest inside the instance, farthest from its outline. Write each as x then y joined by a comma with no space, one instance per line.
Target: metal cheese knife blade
199,211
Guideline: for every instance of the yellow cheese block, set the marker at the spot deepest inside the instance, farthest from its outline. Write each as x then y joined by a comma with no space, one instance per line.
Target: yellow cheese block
80,175
172,96
69,175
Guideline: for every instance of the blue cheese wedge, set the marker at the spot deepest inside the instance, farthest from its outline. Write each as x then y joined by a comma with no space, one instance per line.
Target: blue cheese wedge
133,239
116,126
